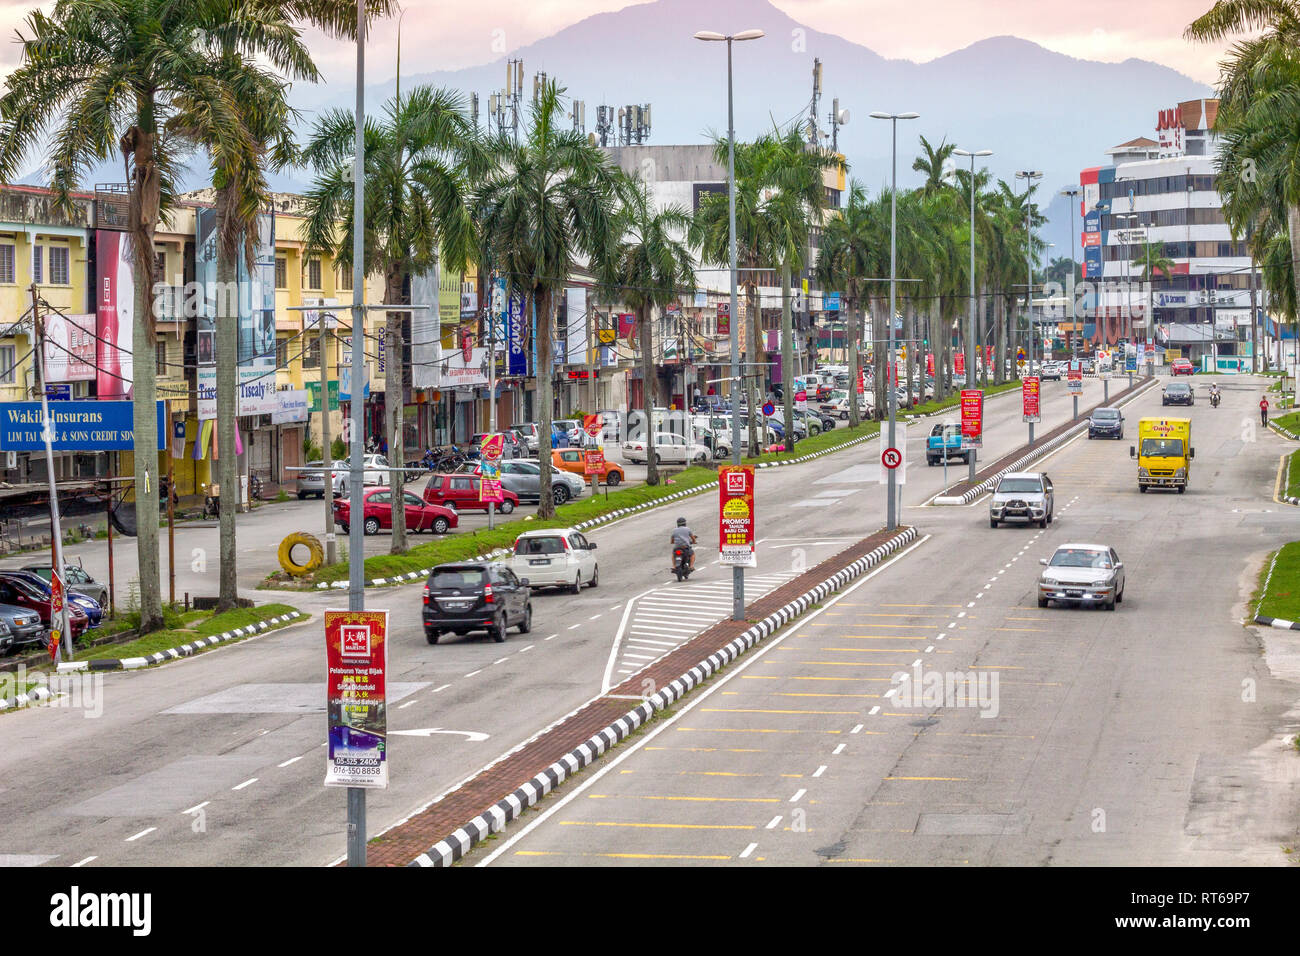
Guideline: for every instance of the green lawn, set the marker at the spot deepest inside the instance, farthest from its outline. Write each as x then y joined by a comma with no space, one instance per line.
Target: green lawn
1293,476
1282,596
209,624
1290,421
461,546
929,408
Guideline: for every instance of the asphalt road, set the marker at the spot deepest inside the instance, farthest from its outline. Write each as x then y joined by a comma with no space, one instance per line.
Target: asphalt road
219,759
1157,734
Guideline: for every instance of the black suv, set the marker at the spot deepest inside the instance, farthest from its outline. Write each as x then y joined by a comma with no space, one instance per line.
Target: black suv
1178,393
1106,422
478,596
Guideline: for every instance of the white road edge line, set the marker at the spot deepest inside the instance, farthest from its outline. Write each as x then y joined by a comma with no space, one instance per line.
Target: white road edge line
196,809
132,839
738,667
247,783
84,862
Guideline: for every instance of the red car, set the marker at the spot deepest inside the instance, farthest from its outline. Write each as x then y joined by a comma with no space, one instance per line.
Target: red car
420,515
1182,367
460,491
19,593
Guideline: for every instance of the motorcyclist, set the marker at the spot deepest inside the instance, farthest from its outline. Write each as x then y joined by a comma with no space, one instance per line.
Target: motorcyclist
684,537
1214,393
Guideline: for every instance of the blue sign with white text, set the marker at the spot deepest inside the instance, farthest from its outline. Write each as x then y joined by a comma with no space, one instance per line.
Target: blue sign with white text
58,393
831,302
78,426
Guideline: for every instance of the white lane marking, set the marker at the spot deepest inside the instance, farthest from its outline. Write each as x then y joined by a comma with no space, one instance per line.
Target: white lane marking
929,649
528,648
552,637
744,854
84,862
891,692
738,668
285,764
472,673
615,607
407,704
436,689
1004,570
197,808
145,832
839,749
941,636
971,604
871,713
501,660
574,627
641,657
797,795
952,623
856,729
651,642
594,617
606,679
980,595
963,613
771,824
819,771
247,783
917,662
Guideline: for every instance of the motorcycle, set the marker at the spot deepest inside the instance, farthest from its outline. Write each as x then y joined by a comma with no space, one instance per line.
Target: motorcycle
682,563
1214,399
211,500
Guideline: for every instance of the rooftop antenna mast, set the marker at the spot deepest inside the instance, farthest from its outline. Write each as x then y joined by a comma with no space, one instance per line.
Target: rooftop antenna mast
514,93
816,98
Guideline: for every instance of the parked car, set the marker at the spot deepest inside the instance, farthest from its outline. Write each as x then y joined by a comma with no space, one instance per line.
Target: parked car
19,591
24,626
523,477
1177,393
475,596
837,404
1023,496
527,432
311,483
460,491
511,444
1082,574
373,473
75,578
945,443
556,557
1051,371
1182,366
378,513
573,460
1106,423
668,448
572,428
89,606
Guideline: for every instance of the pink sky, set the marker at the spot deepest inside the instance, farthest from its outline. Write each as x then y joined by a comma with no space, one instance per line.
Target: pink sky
449,34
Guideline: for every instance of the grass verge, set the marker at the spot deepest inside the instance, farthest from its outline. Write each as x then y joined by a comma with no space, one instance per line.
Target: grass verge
459,547
1279,593
1291,422
176,636
1292,489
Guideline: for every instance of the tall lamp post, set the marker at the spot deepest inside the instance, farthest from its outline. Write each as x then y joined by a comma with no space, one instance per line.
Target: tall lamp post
737,573
891,502
1127,217
1029,175
971,345
1072,193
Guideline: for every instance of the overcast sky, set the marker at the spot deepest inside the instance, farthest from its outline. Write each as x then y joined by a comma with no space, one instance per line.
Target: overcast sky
450,34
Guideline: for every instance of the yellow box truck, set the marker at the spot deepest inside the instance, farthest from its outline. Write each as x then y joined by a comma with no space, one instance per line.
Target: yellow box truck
1164,453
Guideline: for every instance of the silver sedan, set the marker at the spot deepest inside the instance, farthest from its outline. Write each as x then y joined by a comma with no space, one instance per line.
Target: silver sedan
1082,574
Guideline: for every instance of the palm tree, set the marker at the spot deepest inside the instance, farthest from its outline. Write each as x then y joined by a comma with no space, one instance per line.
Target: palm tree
645,264
420,157
548,202
241,195
134,79
846,259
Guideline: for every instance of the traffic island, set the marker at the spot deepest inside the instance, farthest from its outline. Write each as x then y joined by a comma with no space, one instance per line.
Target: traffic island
443,832
1277,600
964,492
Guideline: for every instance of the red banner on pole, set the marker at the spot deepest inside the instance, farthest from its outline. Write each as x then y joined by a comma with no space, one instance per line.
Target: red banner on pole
1029,399
972,418
356,704
593,461
736,515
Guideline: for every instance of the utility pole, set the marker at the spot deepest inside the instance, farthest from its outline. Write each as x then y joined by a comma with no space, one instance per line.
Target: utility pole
171,514
56,531
327,457
492,392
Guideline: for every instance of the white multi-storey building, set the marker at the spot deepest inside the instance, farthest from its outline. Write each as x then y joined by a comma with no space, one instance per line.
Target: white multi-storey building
1160,196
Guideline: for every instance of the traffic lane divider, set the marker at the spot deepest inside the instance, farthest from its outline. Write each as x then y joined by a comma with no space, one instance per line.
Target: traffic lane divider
1027,453
1280,623
732,639
173,653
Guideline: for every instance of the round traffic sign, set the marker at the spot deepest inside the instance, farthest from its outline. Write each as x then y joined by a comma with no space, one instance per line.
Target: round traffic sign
891,458
768,408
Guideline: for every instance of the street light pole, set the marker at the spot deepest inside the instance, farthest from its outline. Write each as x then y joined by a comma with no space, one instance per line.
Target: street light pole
971,344
737,573
1072,193
1029,175
891,500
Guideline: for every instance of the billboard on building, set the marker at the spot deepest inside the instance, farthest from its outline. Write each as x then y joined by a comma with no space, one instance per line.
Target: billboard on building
114,311
518,359
70,347
426,329
576,335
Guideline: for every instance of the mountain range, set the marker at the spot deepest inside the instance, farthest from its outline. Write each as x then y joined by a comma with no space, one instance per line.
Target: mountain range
1036,109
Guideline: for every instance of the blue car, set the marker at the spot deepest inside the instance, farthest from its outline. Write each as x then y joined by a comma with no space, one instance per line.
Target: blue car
94,612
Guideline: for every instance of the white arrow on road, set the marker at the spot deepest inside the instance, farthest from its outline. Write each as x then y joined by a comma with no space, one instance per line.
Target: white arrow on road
472,735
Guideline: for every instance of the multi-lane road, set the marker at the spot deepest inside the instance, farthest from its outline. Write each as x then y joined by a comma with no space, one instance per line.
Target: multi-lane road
1136,715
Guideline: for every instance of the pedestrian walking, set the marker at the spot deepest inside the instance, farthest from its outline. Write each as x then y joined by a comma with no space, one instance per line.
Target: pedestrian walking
1263,411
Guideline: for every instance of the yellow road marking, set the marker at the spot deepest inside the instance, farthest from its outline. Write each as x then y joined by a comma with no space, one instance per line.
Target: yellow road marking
625,856
882,637
712,773
792,694
755,730
798,677
658,826
909,627
713,750
638,796
853,859
942,733
828,663
917,605
873,650
928,778
743,710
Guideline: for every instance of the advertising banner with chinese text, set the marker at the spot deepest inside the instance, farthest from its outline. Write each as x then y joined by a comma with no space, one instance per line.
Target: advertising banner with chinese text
1029,399
356,658
972,418
736,516
489,486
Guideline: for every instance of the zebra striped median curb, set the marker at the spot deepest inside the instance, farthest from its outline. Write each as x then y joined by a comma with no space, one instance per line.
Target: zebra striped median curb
1035,452
22,700
495,818
409,576
1277,622
173,653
